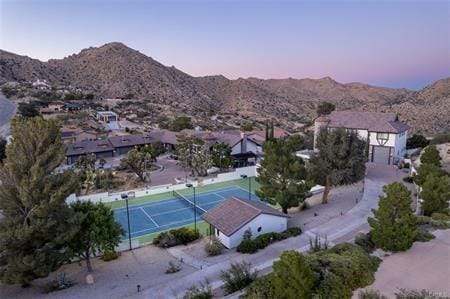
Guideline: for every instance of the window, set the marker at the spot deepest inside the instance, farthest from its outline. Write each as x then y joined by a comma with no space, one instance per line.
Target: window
352,131
218,232
259,229
382,138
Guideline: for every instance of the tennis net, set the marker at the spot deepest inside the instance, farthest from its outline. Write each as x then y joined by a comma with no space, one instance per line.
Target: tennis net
178,195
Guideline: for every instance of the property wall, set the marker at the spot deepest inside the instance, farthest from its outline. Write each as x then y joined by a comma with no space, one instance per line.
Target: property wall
268,223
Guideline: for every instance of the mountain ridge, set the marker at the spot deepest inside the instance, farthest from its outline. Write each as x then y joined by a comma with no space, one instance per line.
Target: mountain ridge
115,70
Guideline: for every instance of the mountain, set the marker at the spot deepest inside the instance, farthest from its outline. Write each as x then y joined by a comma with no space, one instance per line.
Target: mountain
114,70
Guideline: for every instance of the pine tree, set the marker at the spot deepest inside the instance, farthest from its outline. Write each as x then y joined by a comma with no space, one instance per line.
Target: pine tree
99,232
282,175
431,156
340,161
37,224
394,226
272,132
292,276
435,194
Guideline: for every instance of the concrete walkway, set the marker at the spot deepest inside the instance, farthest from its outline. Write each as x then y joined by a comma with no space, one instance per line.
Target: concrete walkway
337,230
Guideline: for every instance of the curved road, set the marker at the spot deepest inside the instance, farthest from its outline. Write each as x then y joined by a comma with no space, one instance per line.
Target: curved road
337,230
7,111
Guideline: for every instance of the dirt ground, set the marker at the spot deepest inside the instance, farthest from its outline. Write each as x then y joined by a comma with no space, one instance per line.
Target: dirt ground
424,266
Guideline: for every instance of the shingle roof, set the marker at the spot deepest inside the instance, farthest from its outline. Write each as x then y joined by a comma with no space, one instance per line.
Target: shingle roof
233,213
372,121
86,147
130,140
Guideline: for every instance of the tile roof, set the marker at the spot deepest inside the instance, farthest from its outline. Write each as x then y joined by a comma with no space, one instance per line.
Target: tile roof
372,121
233,213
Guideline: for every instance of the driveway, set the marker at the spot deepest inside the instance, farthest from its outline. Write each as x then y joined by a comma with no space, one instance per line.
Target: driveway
337,230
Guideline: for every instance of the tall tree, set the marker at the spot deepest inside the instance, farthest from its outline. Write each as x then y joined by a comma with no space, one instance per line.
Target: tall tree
431,156
394,226
99,232
37,223
340,161
435,194
192,154
2,148
221,155
201,160
180,123
282,175
292,277
425,170
325,108
139,162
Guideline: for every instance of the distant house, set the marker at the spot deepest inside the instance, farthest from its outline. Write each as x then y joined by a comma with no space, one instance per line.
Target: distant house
72,107
230,219
71,135
384,132
107,116
123,144
101,149
54,107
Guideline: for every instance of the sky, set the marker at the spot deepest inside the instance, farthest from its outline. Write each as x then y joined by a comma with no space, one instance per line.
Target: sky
401,44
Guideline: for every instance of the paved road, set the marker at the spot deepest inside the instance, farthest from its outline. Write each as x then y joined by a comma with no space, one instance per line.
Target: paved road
7,111
337,230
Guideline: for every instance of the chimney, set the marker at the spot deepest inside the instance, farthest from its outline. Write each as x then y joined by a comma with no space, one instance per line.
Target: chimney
243,143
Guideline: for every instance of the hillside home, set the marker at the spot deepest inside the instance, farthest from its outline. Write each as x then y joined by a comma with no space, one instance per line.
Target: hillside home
384,132
231,218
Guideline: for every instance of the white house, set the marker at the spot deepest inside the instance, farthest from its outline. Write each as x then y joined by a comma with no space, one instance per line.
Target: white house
384,132
231,218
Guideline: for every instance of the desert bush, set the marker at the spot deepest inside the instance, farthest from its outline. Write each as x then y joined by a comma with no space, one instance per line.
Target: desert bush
60,283
247,246
173,268
237,277
264,240
440,224
247,234
414,294
203,291
423,235
175,237
213,246
365,242
371,294
293,231
110,255
440,217
421,220
318,244
260,288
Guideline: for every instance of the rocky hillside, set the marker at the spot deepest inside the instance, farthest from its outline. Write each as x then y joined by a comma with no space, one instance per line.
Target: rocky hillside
114,70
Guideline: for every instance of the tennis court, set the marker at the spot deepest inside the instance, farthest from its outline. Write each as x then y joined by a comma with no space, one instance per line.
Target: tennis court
175,211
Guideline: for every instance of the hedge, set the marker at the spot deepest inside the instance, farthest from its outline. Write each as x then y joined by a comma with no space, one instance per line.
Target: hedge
264,240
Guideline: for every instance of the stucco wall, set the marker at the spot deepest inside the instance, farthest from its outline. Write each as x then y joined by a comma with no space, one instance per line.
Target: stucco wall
268,223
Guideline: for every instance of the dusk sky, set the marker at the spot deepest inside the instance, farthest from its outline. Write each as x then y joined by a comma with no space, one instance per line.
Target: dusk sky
385,43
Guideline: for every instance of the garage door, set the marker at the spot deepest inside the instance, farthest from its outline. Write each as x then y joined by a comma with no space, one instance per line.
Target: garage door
381,154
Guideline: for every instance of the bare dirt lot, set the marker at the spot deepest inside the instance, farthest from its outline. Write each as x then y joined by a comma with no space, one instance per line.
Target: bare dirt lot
424,266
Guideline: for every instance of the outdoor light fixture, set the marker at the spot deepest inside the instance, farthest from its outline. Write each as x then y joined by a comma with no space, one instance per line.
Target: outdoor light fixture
125,196
189,185
244,176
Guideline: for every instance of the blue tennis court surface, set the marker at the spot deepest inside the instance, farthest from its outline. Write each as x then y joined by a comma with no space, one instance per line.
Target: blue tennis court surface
166,214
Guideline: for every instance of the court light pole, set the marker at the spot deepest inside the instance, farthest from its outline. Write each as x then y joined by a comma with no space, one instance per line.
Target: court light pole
125,196
189,185
249,185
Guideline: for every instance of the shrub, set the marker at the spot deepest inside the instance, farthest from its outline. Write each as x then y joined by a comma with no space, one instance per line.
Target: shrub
110,255
247,246
365,242
440,217
261,288
175,237
264,240
213,246
371,294
421,220
237,277
60,283
203,291
318,244
173,268
413,294
293,231
247,234
408,179
423,235
440,224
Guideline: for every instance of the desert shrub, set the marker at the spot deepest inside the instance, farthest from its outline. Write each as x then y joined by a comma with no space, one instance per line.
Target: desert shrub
421,220
237,277
293,231
365,242
414,294
371,294
173,268
175,237
247,246
441,138
60,283
440,224
440,217
264,240
342,269
318,244
213,246
423,235
110,255
260,288
203,291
